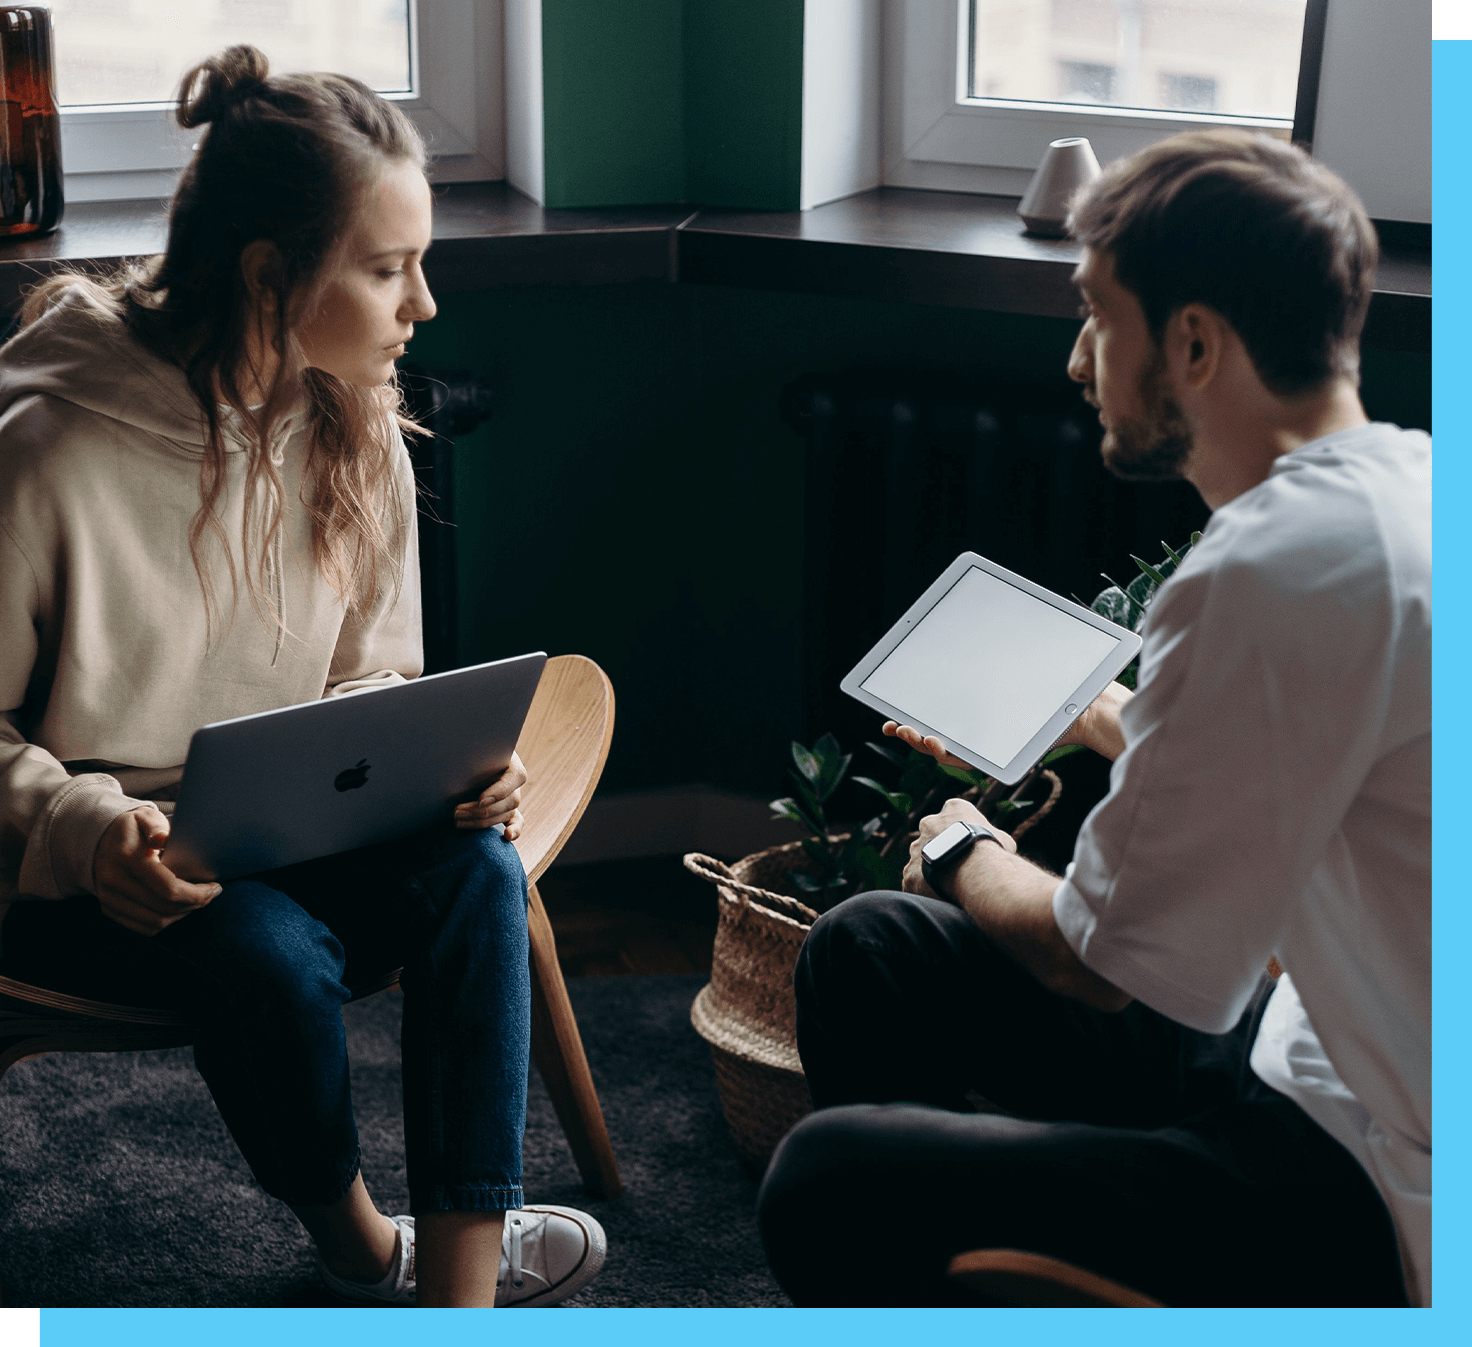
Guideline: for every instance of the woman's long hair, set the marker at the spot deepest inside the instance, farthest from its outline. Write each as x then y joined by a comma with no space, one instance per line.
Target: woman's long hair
284,159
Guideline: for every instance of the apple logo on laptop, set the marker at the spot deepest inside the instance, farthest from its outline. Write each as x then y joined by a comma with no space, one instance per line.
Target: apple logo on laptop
353,777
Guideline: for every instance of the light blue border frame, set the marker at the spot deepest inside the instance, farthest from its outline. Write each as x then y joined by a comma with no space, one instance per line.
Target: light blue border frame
1452,104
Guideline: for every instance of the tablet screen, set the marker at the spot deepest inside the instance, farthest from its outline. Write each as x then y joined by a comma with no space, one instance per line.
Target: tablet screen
991,664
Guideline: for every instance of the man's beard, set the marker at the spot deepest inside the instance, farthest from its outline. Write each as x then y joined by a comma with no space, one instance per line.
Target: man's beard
1155,445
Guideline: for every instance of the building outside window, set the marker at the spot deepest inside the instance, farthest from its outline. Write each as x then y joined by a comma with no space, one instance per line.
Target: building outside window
119,62
1229,57
120,52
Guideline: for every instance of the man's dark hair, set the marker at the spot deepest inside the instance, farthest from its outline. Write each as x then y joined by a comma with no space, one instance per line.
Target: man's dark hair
1251,227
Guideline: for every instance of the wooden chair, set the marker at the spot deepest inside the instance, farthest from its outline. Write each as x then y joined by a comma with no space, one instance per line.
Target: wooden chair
564,745
1033,1280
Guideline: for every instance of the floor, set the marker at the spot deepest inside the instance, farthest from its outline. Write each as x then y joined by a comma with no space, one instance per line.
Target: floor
614,918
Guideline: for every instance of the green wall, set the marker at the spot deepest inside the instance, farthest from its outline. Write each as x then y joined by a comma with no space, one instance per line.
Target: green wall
743,103
636,497
672,100
613,110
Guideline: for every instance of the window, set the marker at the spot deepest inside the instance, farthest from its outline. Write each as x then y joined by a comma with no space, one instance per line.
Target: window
119,61
116,53
984,85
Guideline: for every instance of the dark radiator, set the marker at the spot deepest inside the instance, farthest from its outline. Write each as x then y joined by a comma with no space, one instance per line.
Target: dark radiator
446,406
906,468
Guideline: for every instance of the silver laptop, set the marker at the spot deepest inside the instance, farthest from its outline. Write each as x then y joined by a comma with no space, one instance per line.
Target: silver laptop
327,776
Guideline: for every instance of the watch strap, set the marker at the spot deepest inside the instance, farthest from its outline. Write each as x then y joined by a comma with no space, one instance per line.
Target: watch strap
933,872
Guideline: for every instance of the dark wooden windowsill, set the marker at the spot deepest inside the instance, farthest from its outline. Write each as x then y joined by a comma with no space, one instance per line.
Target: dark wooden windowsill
947,248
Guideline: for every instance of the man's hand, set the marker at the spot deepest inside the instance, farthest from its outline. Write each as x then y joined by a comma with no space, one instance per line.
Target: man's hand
932,825
498,803
1011,899
930,745
134,887
1097,728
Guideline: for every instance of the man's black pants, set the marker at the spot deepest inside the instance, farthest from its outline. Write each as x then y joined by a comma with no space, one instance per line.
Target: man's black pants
1130,1145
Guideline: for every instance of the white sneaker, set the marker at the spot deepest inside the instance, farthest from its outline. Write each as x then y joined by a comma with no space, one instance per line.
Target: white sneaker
547,1253
397,1286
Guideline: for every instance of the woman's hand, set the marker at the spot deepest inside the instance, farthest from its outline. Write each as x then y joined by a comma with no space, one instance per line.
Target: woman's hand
134,887
498,803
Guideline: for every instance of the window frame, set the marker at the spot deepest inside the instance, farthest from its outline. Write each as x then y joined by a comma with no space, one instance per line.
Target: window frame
936,136
113,153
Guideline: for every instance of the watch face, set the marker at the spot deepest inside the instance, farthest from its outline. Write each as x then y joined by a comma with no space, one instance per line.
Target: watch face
939,846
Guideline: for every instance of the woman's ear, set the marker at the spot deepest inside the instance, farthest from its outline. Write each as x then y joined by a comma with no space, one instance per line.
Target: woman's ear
260,268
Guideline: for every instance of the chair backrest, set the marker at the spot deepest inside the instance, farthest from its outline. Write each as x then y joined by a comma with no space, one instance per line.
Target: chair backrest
564,745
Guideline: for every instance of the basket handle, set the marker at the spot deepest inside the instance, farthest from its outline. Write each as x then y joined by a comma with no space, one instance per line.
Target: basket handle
718,872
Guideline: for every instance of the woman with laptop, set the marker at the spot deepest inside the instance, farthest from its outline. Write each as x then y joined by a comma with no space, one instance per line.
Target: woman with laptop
207,511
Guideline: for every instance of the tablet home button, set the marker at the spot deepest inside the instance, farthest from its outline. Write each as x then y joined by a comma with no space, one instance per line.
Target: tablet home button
1070,708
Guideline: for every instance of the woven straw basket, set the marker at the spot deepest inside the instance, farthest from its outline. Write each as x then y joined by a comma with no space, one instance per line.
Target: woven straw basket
747,1012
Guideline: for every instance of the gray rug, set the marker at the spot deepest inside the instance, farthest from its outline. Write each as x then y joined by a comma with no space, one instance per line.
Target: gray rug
120,1186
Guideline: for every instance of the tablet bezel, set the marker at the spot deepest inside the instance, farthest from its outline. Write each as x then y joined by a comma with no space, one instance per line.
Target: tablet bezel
1048,734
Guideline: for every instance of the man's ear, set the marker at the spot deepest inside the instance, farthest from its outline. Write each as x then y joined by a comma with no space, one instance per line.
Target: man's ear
260,268
1195,343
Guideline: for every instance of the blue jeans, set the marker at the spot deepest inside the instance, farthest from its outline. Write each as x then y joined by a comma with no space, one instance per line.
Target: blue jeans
261,975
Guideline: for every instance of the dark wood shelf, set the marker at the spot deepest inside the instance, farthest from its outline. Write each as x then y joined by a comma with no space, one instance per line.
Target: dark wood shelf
946,248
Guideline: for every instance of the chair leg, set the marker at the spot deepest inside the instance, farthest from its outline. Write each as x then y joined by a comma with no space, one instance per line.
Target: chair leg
1033,1280
557,1049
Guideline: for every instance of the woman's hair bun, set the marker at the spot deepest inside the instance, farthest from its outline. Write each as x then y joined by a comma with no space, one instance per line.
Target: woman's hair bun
220,82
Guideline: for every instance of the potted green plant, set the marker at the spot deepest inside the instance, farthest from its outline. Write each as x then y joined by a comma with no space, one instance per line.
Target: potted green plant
769,900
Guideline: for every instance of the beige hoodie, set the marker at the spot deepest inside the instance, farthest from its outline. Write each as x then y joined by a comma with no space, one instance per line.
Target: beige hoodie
105,669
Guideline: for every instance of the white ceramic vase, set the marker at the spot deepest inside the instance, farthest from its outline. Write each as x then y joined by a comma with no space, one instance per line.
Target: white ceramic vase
1067,165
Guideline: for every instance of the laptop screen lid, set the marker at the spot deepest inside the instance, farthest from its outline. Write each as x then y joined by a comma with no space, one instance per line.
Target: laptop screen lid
327,776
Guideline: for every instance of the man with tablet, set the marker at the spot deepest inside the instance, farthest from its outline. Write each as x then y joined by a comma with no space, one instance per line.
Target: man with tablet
1099,1067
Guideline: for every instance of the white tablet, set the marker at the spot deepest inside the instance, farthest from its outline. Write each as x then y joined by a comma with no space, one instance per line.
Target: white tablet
993,665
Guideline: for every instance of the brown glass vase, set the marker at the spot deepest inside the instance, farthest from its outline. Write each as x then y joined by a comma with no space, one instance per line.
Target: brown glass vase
30,129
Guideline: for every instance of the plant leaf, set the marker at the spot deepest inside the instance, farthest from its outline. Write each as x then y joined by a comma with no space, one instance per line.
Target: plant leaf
818,852
832,764
807,762
1171,552
896,800
1116,605
920,773
969,775
804,882
1195,537
876,871
1059,753
787,809
808,807
890,755
1149,570
1141,589
834,770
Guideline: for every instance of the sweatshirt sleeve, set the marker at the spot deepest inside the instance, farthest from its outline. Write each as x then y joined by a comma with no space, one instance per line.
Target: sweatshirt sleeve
382,640
1257,718
57,818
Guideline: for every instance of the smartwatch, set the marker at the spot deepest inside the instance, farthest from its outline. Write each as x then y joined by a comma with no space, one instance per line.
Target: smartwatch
941,855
